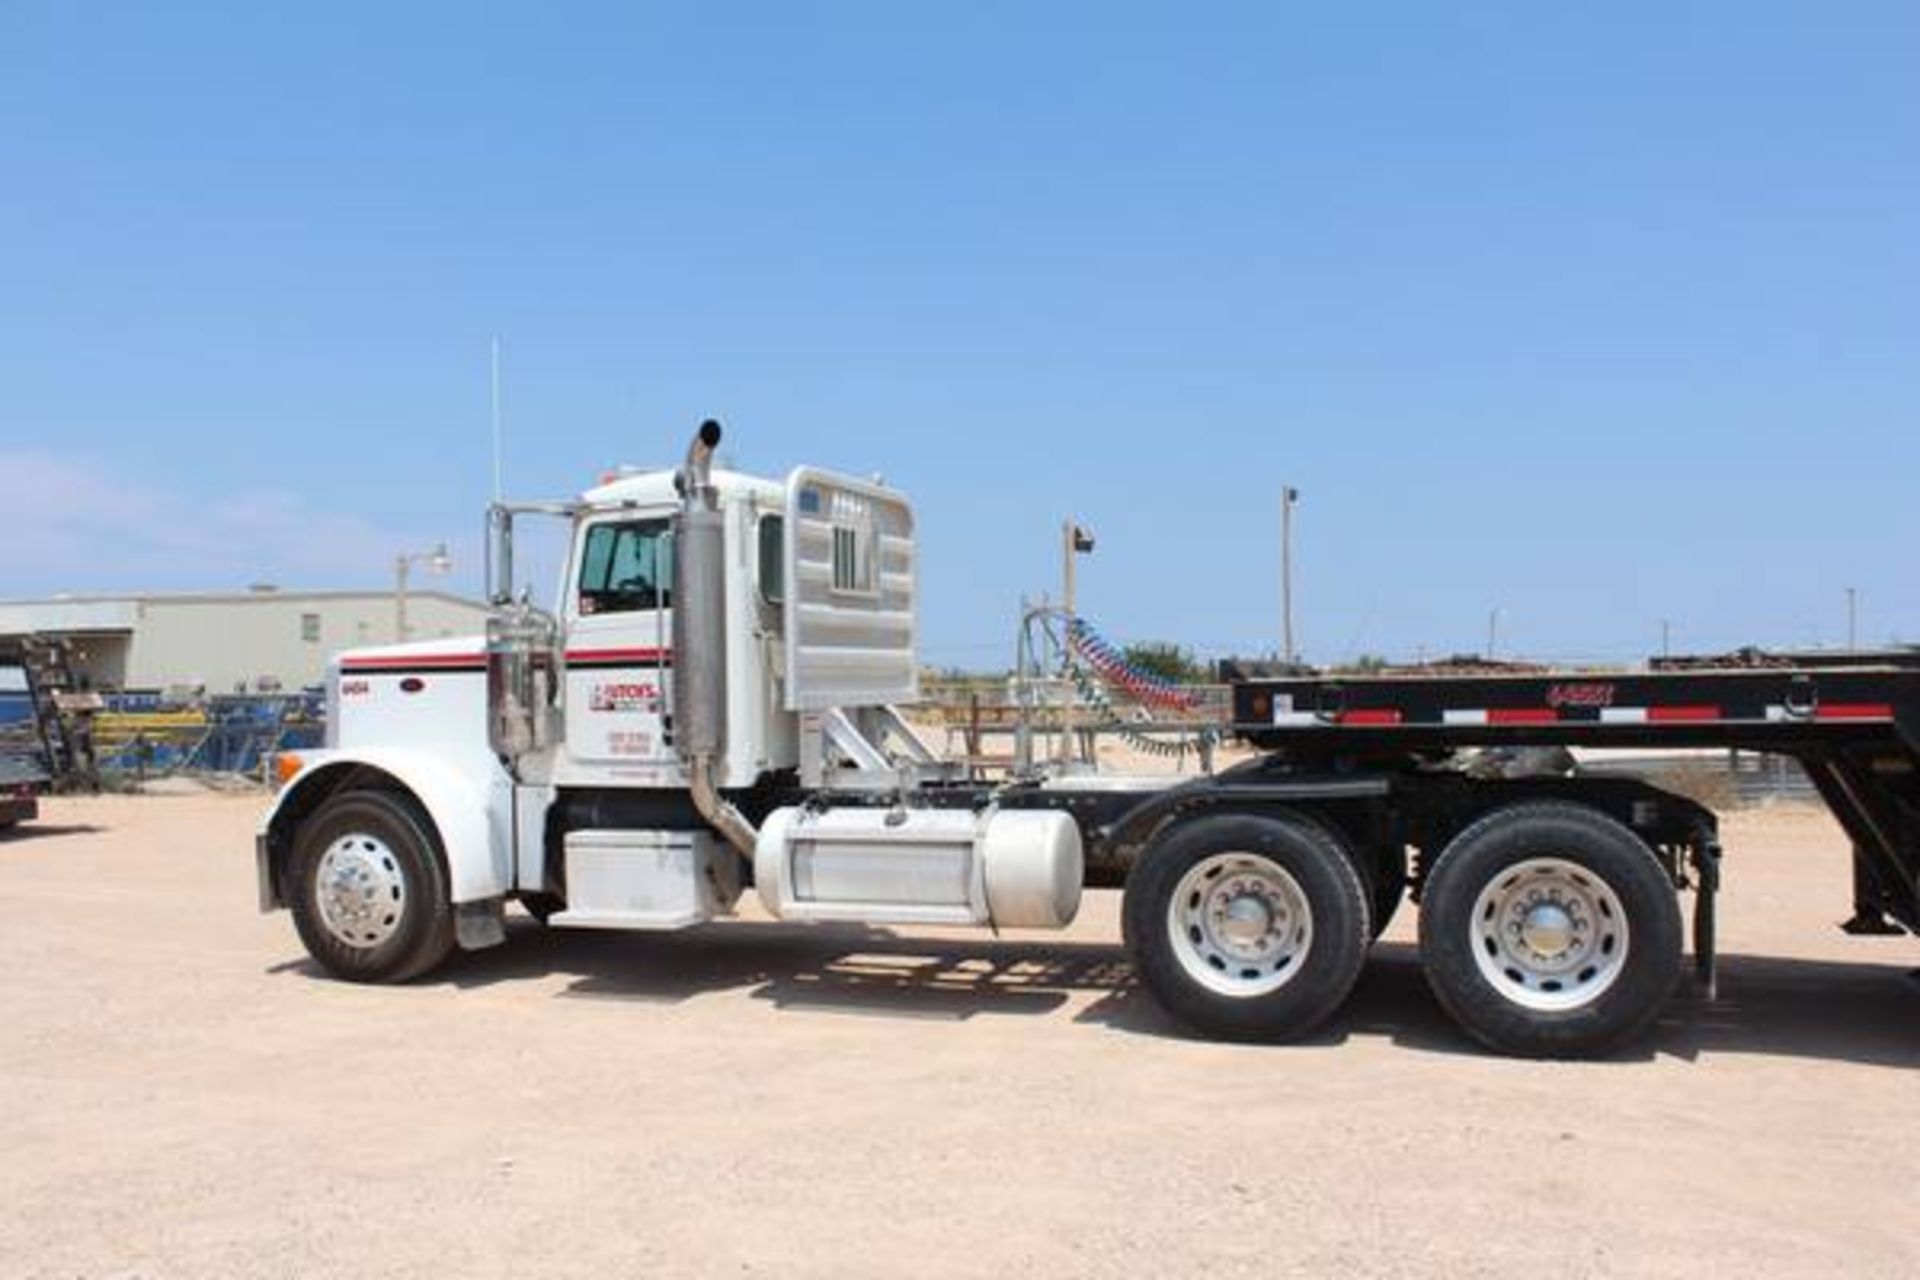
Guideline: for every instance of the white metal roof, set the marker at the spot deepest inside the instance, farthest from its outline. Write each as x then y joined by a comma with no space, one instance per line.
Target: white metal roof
121,613
131,598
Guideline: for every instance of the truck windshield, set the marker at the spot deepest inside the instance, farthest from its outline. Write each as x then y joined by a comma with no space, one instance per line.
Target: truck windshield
626,567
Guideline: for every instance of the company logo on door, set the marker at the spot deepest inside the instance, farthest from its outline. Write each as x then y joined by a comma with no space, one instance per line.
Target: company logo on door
624,695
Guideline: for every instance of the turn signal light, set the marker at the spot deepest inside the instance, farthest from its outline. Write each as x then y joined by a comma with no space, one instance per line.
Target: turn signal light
285,765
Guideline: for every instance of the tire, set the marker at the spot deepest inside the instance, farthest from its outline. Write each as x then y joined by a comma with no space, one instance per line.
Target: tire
1202,892
375,848
1549,930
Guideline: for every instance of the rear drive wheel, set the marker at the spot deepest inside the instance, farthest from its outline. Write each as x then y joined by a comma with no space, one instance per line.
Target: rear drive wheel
1550,930
369,894
1247,928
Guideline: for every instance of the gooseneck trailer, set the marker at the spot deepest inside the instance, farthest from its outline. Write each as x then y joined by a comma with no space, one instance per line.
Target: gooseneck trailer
711,705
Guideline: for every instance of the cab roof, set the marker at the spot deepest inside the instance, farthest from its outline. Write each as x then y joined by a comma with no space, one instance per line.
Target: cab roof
655,488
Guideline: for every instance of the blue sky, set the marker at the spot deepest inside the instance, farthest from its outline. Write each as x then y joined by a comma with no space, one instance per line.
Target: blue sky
1597,315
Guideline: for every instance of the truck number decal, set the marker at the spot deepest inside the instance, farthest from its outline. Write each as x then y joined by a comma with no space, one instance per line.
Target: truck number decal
629,743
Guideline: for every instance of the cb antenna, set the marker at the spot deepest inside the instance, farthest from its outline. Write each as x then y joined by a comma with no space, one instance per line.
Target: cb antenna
495,409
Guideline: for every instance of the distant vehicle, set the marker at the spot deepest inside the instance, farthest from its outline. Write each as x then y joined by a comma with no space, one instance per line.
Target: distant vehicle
23,765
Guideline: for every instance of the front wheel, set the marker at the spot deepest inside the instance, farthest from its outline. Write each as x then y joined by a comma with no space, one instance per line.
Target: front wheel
1550,930
369,895
1247,927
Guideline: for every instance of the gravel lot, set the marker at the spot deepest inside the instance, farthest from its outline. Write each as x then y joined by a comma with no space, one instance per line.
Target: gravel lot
186,1097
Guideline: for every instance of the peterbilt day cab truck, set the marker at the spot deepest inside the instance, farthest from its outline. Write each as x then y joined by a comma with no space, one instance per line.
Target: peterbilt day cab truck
711,706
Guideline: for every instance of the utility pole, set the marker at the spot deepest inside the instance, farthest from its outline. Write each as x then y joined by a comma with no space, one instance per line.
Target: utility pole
1289,498
400,567
1853,619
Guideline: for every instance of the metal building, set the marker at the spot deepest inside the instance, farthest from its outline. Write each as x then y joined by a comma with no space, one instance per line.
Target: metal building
227,642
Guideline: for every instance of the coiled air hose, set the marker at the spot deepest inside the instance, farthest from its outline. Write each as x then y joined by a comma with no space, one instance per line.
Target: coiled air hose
1143,686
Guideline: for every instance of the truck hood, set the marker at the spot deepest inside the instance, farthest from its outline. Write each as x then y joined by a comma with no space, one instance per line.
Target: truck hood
444,647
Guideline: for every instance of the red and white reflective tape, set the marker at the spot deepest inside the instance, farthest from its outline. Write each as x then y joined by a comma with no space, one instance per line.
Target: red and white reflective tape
1363,717
1499,716
1831,711
1286,717
1658,715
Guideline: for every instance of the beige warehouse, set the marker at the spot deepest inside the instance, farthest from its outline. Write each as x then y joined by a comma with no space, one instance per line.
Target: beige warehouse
226,642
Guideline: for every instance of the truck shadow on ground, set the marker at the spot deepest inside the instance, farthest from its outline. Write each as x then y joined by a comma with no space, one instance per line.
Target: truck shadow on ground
21,833
1864,1013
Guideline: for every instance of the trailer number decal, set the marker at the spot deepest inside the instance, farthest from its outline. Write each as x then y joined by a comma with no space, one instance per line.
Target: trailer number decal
1580,695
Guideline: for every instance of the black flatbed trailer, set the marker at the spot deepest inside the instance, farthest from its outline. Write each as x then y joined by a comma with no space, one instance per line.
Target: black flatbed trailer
1550,922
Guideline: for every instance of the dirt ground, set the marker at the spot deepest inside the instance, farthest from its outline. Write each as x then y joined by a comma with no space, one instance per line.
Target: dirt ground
184,1096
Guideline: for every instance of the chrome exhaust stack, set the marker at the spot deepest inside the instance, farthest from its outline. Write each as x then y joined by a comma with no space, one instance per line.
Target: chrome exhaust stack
700,638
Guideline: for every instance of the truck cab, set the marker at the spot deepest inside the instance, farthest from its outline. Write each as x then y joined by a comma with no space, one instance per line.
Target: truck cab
724,650
616,621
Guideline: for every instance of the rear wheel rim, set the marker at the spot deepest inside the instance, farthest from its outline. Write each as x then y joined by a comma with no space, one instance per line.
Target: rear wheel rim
1240,924
1549,934
360,890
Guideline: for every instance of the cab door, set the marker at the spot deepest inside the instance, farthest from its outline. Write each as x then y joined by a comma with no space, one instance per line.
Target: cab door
619,660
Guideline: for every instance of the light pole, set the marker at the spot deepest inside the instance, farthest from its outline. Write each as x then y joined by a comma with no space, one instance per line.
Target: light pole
436,560
1074,541
1289,499
1493,632
1853,620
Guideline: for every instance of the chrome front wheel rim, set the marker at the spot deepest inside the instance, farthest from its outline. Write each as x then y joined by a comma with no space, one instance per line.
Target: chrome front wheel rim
1240,924
1549,934
360,890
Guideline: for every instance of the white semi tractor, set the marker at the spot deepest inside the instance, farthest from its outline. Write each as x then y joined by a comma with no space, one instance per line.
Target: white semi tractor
711,706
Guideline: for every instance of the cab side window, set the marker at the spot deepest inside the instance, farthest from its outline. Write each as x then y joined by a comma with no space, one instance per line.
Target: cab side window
773,559
626,567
